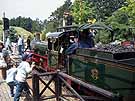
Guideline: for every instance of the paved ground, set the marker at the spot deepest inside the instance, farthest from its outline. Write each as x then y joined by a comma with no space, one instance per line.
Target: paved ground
4,88
4,91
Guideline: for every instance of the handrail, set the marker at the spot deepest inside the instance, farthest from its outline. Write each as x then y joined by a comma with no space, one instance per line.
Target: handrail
59,78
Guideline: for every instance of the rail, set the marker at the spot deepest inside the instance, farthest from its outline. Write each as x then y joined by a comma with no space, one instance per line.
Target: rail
60,81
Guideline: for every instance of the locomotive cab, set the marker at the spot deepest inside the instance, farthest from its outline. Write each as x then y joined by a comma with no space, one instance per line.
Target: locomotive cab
58,42
53,47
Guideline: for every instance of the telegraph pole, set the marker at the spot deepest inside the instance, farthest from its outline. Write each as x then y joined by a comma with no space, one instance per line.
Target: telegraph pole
3,14
5,27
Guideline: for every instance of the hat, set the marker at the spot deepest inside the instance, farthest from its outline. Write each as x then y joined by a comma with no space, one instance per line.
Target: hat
24,57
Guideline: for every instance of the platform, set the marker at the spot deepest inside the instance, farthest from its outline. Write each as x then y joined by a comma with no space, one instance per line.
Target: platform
4,88
4,92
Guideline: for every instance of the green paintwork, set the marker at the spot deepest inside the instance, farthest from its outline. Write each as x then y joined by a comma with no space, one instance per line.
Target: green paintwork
105,55
40,48
113,76
82,70
53,59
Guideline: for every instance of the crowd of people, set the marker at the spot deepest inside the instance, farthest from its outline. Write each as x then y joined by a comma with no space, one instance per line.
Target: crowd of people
16,75
18,45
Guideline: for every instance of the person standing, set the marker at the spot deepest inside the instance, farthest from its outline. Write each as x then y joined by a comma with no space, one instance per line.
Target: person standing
1,48
71,49
15,46
10,79
4,61
23,46
33,41
8,44
28,44
20,45
22,72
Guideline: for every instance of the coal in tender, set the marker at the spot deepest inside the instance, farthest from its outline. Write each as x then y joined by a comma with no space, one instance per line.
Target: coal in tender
118,52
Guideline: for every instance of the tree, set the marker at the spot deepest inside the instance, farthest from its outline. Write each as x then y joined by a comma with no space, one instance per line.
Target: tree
82,11
103,36
28,24
123,19
100,10
43,36
56,18
51,26
37,25
1,22
105,8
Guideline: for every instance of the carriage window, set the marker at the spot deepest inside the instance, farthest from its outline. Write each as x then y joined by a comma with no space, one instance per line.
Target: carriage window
56,45
53,44
49,44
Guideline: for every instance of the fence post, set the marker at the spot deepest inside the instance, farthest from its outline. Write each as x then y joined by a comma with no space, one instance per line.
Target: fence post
35,86
58,86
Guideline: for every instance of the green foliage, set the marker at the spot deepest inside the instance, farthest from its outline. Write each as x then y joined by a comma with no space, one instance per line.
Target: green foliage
56,18
1,32
0,22
28,24
51,26
103,36
118,14
23,32
16,30
43,36
37,25
12,30
105,8
81,11
123,19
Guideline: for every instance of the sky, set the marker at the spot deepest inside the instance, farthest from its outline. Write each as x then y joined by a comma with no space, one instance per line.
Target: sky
29,8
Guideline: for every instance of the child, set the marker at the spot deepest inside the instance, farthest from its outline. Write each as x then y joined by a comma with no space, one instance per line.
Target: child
22,72
10,79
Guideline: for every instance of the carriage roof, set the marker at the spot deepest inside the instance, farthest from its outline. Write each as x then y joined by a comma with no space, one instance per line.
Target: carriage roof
53,34
61,31
95,26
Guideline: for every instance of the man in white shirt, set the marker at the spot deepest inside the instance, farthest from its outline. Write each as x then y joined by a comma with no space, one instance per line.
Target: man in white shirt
10,79
20,45
8,44
22,72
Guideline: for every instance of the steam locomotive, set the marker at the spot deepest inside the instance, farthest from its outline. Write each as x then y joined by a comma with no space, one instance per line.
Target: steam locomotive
109,67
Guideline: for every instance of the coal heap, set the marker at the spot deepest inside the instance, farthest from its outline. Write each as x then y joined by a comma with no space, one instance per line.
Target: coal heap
118,51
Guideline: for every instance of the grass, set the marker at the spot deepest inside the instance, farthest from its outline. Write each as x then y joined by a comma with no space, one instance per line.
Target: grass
19,30
1,32
23,32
